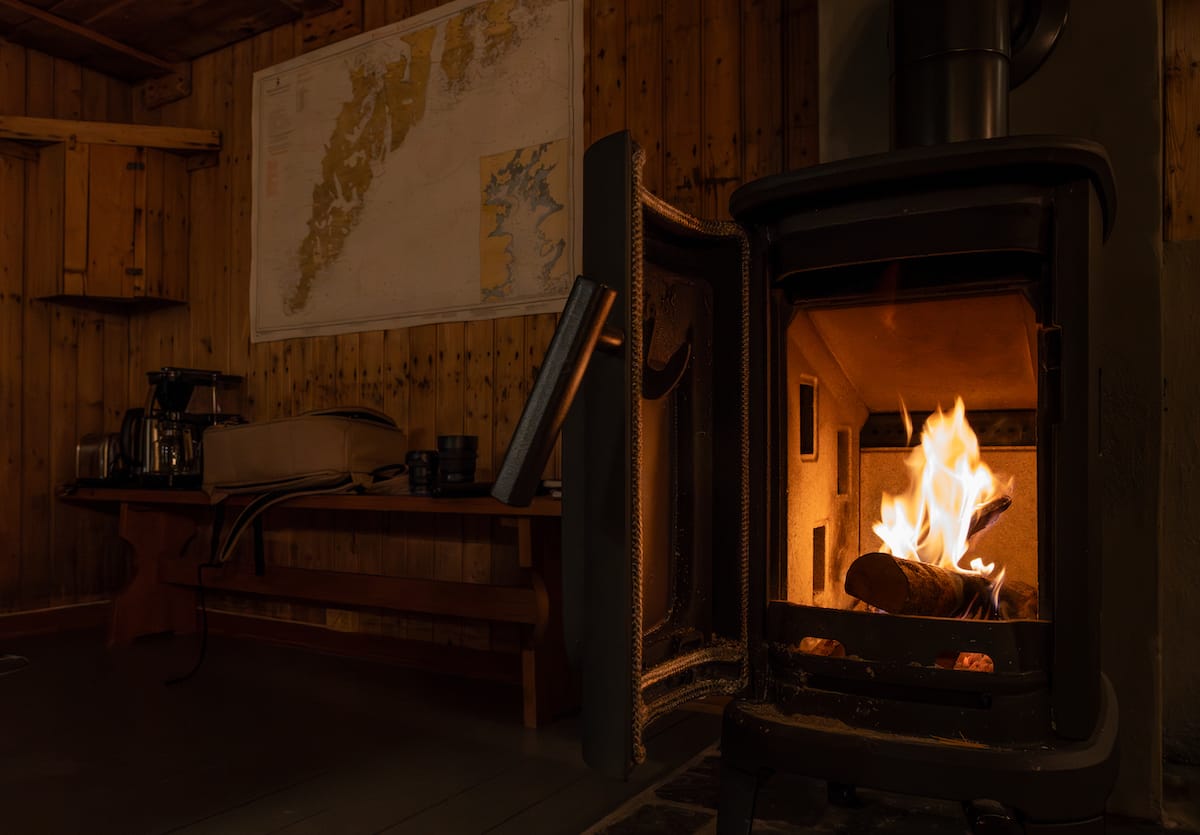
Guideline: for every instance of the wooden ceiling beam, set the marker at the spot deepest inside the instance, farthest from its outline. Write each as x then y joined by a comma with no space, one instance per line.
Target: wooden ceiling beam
90,34
106,10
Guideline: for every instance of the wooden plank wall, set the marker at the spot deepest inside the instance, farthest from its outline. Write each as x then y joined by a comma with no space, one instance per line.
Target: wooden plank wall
1180,300
63,372
717,91
1181,120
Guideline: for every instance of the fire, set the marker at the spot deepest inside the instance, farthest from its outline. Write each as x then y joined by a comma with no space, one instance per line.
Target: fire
948,484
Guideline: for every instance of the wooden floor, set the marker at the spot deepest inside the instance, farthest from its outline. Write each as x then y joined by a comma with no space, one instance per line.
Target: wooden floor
272,740
686,804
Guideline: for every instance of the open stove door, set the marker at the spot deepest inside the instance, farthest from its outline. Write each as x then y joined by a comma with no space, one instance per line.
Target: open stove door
655,454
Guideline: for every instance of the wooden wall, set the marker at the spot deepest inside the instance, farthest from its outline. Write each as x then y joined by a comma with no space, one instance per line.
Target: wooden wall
1181,115
718,91
1180,569
63,372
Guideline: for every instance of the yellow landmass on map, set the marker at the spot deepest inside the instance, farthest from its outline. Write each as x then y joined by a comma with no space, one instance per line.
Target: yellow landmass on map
489,24
523,221
387,100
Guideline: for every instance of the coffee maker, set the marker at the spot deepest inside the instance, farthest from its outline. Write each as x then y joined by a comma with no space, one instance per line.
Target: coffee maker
162,443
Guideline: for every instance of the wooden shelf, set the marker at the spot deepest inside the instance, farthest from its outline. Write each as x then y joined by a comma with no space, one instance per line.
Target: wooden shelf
480,506
112,304
503,604
38,129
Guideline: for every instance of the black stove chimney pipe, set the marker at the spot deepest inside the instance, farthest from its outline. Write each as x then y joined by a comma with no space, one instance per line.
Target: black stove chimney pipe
950,70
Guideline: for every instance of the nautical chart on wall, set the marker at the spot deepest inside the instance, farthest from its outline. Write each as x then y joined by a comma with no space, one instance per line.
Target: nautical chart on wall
425,171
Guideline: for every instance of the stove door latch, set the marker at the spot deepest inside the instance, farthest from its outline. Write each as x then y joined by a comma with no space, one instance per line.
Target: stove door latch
659,380
1050,362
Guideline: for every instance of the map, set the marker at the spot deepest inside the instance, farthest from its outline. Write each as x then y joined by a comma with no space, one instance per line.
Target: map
425,171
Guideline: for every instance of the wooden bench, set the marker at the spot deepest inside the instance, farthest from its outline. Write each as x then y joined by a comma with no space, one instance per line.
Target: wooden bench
161,594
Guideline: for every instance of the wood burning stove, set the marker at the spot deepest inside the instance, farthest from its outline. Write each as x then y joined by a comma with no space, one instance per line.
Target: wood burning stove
732,439
747,431
925,274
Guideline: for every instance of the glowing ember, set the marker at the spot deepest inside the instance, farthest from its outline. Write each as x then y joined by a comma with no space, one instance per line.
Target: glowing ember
947,485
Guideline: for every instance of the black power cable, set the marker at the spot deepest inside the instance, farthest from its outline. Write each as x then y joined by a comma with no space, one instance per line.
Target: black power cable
252,516
203,625
213,562
10,663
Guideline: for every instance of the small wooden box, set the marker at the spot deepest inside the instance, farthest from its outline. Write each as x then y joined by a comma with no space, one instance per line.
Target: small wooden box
109,207
112,222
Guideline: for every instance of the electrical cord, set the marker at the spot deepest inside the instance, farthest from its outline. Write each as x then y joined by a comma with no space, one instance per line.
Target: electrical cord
21,663
221,551
203,626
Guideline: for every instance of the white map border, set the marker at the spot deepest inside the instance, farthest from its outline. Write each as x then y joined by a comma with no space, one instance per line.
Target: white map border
398,319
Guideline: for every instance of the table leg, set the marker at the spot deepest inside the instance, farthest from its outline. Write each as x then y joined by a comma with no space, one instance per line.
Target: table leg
545,674
146,605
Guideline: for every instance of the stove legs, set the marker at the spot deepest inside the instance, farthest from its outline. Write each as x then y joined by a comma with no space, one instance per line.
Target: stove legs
987,817
1041,790
739,793
739,790
842,794
1090,826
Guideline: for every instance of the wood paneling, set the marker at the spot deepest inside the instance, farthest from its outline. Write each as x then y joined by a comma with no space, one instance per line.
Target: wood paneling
721,86
704,87
644,85
36,526
683,119
762,116
799,52
12,316
63,372
1181,112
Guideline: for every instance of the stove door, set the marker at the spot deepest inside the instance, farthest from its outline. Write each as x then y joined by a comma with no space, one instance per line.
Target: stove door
655,455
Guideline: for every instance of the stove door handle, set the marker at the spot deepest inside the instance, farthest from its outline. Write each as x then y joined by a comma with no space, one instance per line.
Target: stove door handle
658,383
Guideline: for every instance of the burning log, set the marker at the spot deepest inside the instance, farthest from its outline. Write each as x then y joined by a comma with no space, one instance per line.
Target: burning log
986,515
975,662
1018,601
828,647
905,587
912,587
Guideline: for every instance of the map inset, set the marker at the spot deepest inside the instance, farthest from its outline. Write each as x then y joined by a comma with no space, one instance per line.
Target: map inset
419,172
524,223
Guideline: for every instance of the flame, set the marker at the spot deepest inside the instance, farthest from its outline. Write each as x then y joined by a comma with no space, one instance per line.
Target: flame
947,484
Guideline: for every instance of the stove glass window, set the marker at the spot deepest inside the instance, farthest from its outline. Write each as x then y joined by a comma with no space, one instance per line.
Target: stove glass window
911,433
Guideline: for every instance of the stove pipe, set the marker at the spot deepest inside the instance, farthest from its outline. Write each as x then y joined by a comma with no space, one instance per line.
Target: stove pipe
950,70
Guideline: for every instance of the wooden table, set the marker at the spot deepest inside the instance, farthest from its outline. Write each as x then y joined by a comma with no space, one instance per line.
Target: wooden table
161,595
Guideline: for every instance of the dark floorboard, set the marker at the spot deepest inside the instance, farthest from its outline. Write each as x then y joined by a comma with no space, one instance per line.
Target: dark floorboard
686,804
273,740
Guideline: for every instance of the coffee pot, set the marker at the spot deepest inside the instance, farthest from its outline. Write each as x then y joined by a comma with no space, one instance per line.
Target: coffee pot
162,442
